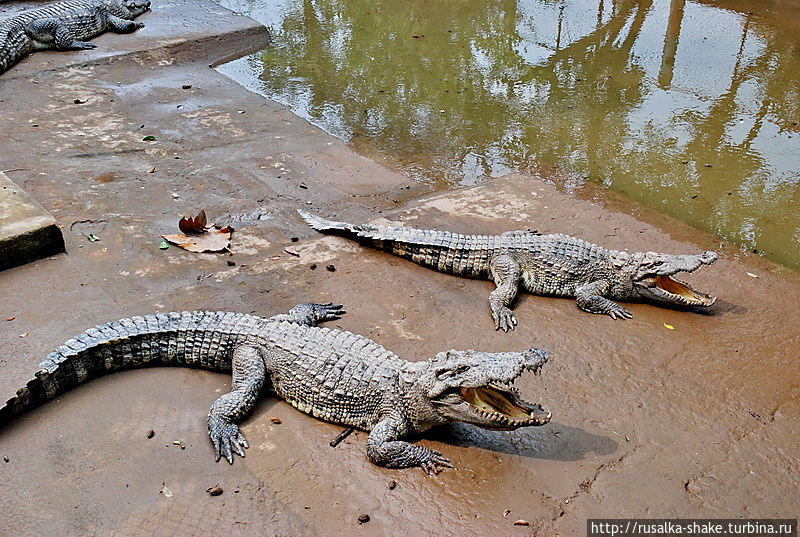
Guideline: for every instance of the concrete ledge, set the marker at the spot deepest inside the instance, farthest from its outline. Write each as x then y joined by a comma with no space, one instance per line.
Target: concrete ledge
27,231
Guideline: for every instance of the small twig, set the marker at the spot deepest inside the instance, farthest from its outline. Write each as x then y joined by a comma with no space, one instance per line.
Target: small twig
344,434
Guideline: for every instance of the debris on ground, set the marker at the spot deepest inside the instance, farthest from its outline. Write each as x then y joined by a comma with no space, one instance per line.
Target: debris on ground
24,334
165,491
179,443
274,419
392,484
151,433
200,236
330,268
313,266
10,318
521,522
506,513
92,237
216,490
291,252
164,245
363,518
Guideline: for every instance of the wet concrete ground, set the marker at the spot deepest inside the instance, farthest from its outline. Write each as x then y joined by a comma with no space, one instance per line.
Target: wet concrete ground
701,420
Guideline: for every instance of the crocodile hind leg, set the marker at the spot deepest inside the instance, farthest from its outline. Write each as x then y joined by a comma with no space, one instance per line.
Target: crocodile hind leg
384,448
248,378
123,26
505,272
590,298
311,314
49,33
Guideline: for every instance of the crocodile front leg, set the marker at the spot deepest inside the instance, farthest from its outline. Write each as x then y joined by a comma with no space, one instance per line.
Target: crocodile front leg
384,448
590,298
311,314
506,275
123,26
248,378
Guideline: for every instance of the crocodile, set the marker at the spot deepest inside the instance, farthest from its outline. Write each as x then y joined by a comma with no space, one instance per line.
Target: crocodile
65,26
553,264
328,373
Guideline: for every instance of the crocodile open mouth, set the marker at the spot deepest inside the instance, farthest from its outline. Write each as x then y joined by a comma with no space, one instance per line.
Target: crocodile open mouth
504,407
681,293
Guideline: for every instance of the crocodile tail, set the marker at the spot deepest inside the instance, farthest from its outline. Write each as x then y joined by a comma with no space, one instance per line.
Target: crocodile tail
188,339
321,224
14,44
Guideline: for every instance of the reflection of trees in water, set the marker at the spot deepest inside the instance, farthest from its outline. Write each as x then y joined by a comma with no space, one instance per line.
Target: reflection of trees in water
460,102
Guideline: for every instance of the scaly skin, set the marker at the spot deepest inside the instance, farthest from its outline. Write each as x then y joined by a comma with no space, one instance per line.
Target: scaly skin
65,26
555,265
331,374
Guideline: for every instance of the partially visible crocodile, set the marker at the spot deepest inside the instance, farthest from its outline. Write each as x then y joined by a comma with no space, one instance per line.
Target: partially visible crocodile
65,26
331,374
556,265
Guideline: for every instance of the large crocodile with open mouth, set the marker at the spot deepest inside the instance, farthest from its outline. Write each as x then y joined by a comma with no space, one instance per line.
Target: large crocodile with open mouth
331,374
555,265
65,26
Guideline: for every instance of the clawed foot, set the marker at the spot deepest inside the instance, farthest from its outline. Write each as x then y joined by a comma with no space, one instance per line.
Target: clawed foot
618,312
82,45
328,311
504,319
227,439
433,461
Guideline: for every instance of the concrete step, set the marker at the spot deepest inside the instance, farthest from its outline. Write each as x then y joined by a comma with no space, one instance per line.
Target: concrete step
27,231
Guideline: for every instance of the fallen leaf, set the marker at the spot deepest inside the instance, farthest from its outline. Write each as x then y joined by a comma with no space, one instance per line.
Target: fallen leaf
164,245
149,138
194,225
216,490
291,252
165,491
152,170
273,419
752,275
215,241
24,335
92,237
506,513
669,326
179,443
11,318
104,250
521,523
275,257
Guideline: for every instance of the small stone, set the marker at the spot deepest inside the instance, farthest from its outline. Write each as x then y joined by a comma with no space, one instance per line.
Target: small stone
186,86
216,490
231,263
330,268
363,518
303,185
294,239
707,165
6,459
313,266
151,433
392,485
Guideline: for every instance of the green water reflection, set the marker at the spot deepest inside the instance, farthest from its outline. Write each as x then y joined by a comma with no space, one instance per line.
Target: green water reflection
686,107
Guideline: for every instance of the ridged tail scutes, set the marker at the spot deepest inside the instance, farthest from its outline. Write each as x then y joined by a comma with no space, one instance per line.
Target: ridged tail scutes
199,339
322,224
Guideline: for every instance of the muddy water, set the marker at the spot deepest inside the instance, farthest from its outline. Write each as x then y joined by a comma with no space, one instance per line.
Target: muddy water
686,107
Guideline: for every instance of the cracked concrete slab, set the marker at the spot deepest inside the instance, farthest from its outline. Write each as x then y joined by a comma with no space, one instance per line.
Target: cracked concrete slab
647,421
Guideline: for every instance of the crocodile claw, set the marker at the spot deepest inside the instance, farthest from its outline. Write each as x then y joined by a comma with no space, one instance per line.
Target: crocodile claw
434,461
504,319
618,312
228,439
328,311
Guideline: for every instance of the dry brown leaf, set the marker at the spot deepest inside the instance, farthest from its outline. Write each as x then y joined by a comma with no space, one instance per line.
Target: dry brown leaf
751,274
193,225
215,241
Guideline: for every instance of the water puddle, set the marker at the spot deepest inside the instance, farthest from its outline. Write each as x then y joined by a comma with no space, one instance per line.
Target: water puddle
687,107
